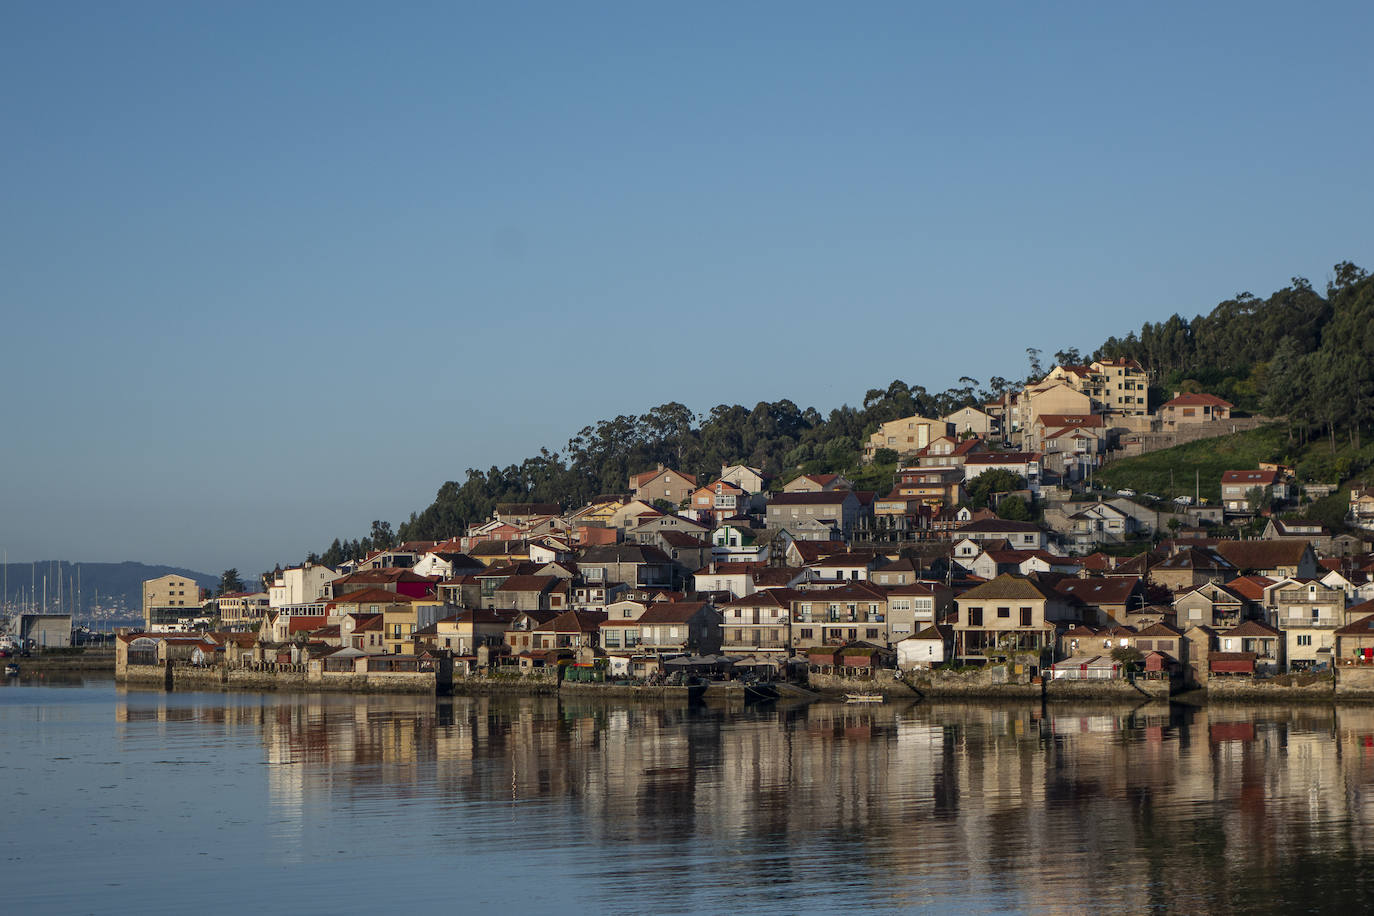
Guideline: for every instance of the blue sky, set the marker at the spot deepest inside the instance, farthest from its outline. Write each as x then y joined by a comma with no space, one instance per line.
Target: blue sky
271,271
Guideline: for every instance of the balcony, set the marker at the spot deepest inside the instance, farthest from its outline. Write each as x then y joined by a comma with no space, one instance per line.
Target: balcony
1309,623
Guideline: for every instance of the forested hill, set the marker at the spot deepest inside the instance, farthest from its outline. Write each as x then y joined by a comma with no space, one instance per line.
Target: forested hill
1298,354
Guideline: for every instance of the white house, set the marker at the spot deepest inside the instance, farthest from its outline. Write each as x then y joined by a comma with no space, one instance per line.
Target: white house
926,649
299,585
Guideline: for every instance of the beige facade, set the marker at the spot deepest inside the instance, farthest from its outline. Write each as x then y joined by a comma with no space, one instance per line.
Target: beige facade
907,435
242,608
1009,613
1118,387
663,483
1309,614
168,599
973,420
1052,397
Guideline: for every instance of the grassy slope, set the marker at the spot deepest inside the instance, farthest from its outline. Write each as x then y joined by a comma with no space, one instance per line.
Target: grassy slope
1151,473
1210,457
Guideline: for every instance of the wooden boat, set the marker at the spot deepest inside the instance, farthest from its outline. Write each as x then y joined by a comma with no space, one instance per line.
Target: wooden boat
863,697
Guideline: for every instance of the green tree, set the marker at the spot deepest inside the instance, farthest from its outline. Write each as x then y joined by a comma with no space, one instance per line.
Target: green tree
997,480
1129,656
885,456
382,536
1014,508
229,582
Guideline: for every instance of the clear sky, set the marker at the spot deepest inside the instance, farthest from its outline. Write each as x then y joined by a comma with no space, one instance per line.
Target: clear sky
270,271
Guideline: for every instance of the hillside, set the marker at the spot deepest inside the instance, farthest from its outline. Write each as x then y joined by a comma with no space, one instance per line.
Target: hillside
108,586
1171,472
1297,354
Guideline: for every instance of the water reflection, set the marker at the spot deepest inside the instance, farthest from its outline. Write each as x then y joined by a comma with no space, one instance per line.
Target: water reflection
542,805
1012,807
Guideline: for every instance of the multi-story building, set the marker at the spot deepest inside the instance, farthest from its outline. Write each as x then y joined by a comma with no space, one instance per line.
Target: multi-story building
906,435
299,585
1309,614
242,608
1117,387
1008,614
169,600
857,611
759,624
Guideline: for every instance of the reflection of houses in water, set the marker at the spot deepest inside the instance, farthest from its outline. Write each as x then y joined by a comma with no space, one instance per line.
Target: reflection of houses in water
1039,804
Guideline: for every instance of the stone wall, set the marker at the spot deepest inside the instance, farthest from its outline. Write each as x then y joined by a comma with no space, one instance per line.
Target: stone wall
376,682
883,681
1071,689
987,681
628,692
536,682
1280,689
1355,682
142,674
1140,443
279,677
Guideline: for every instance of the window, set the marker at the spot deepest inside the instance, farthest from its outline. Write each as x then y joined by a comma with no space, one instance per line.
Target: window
871,633
804,633
1003,613
1026,615
1305,639
975,617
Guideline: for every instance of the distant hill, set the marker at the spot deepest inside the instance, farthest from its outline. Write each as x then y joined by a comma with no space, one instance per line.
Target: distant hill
107,586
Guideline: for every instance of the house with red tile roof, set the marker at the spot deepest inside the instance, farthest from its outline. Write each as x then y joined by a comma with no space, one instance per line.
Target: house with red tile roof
1189,409
817,483
1236,487
662,483
1264,642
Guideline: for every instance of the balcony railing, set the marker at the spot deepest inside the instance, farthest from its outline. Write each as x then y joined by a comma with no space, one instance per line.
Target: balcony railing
1304,623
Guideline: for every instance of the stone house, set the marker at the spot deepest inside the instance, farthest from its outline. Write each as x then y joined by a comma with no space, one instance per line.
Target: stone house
692,627
1191,409
662,483
1265,642
1009,613
906,435
1287,558
840,506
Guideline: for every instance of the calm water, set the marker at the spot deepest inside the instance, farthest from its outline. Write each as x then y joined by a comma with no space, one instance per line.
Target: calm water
124,801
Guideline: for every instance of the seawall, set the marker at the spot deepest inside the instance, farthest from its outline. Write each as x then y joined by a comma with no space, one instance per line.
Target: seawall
883,681
285,677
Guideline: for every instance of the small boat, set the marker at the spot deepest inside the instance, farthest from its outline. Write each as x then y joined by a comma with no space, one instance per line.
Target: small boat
863,697
12,670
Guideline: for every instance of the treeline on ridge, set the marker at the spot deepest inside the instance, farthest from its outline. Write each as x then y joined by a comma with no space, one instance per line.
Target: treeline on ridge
1296,354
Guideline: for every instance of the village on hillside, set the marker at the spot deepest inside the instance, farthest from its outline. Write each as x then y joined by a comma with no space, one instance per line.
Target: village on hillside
736,574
